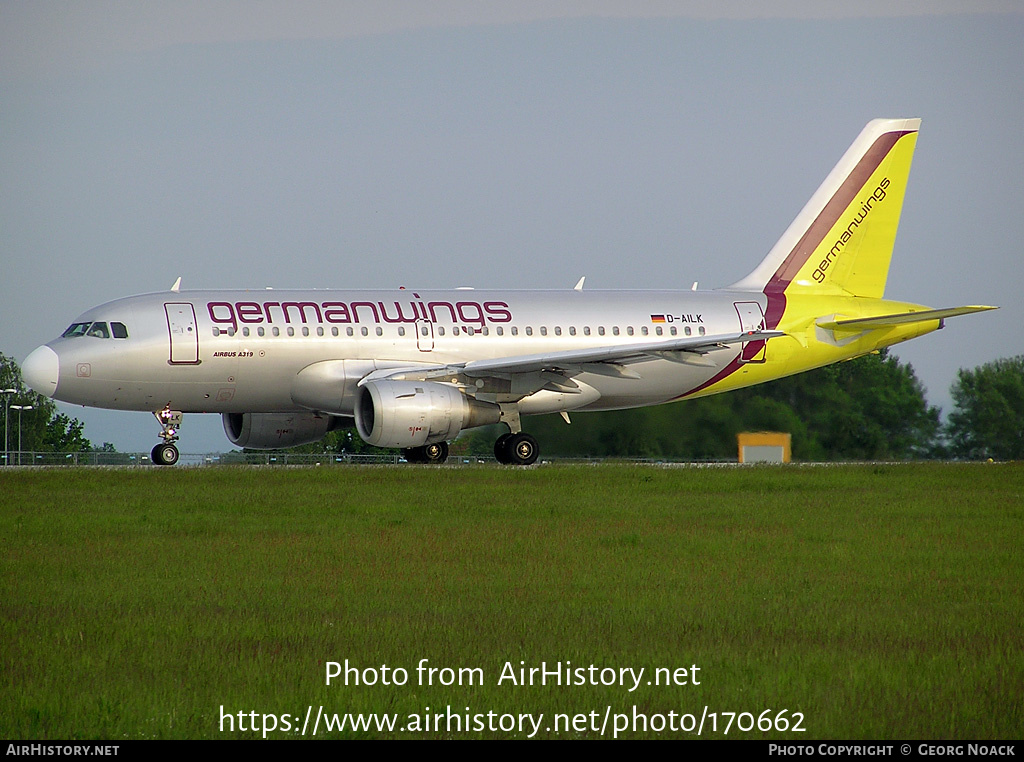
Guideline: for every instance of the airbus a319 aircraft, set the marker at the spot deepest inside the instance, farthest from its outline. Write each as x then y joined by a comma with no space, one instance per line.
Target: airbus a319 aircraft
413,367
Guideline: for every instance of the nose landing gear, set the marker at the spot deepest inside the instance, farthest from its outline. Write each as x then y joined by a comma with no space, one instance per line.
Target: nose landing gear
165,453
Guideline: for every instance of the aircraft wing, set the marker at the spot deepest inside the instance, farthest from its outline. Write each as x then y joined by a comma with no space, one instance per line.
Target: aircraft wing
623,354
607,359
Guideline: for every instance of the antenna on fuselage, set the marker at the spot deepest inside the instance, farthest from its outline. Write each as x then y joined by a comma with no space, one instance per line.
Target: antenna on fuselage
177,285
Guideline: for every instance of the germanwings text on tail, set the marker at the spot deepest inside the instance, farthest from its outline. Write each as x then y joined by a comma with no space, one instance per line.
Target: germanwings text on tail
413,368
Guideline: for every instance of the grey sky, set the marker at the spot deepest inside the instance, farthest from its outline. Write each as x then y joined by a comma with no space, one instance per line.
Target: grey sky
446,144
47,34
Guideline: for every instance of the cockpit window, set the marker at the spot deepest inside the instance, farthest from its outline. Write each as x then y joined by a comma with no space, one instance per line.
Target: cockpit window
76,329
97,330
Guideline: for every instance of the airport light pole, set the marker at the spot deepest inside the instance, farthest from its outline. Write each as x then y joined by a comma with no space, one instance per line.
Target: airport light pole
19,408
7,404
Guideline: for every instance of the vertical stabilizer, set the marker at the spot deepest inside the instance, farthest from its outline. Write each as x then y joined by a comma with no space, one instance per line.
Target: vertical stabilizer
842,240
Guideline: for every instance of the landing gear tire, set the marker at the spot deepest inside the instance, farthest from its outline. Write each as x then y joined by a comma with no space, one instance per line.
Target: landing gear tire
516,449
432,453
523,449
164,455
501,451
435,453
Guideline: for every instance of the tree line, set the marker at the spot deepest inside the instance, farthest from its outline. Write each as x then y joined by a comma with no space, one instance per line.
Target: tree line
869,408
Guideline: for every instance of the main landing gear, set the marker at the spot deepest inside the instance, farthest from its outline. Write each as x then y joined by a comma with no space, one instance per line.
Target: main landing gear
518,449
165,453
431,453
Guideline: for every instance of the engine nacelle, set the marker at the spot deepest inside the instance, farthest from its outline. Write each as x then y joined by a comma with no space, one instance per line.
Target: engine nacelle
271,431
416,413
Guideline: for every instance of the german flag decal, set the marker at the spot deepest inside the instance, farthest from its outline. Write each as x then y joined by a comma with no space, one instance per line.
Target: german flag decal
658,319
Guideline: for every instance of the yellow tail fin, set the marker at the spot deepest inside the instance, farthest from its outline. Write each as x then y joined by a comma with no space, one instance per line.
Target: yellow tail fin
842,240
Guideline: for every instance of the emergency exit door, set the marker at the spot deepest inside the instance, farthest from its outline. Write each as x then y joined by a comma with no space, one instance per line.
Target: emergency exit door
751,319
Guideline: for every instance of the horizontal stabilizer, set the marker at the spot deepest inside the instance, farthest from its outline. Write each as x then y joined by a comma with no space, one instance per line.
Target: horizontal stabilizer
903,318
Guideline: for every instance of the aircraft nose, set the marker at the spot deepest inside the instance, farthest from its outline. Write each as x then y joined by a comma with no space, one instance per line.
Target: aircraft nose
41,371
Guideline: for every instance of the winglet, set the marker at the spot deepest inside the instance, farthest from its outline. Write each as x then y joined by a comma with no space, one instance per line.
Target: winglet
177,285
579,284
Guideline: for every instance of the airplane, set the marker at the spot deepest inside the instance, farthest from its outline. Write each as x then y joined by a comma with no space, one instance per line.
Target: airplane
412,368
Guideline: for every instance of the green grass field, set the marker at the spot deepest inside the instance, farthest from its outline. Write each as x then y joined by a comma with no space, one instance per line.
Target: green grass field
877,601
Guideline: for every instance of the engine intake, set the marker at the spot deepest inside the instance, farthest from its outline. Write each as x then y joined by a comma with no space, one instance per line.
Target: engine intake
416,413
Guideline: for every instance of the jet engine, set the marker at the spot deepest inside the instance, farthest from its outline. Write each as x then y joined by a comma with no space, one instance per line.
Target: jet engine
415,413
270,431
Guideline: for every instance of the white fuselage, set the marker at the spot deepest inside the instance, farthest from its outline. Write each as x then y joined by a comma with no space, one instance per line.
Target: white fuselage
241,351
